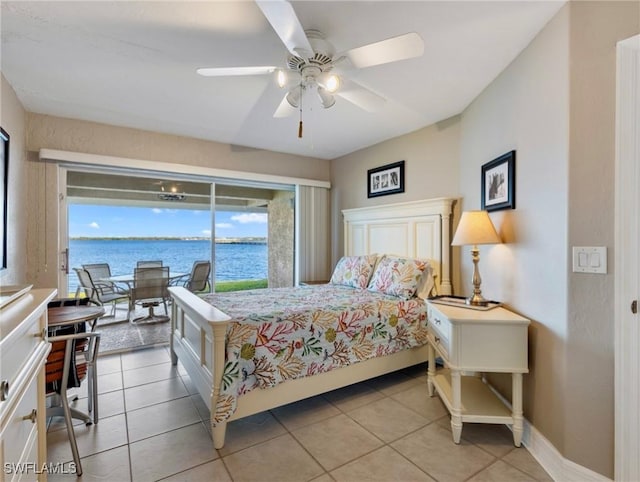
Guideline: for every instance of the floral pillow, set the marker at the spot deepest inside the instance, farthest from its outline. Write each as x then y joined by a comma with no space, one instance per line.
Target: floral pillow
398,276
354,271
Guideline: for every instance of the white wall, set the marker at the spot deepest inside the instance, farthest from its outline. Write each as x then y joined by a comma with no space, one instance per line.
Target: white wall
12,120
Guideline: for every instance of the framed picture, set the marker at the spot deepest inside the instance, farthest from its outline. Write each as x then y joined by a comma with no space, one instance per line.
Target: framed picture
499,183
385,180
4,188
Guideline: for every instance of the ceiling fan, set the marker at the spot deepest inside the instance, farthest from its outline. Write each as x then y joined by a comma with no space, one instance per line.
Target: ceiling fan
313,65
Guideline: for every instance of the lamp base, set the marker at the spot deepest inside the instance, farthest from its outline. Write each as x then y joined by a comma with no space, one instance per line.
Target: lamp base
476,300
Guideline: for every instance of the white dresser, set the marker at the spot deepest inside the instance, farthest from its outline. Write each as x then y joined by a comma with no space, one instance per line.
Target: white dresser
471,343
23,353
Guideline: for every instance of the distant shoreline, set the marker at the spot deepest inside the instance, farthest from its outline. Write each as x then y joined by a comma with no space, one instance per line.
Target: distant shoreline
250,240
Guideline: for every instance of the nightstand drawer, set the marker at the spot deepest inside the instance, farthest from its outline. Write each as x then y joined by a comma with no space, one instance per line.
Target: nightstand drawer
440,329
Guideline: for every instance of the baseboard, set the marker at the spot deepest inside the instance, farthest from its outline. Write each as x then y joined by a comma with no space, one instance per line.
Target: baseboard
551,460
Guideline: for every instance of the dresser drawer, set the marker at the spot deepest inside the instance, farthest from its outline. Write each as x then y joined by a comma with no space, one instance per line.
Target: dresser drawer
18,429
22,340
440,330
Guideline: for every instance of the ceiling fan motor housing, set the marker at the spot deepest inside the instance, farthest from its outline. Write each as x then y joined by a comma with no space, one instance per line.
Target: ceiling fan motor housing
321,58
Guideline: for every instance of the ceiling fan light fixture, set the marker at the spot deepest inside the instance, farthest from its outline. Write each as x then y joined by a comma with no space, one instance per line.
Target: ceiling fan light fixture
326,98
294,96
281,78
330,82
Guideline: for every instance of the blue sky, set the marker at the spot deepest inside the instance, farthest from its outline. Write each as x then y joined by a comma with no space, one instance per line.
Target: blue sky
118,221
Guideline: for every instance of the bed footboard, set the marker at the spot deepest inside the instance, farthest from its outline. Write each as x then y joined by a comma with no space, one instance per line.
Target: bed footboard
198,332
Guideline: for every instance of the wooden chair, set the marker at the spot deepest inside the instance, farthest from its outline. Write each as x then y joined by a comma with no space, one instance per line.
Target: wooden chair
72,359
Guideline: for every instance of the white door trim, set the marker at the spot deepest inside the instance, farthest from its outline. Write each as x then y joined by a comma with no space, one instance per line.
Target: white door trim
63,234
627,262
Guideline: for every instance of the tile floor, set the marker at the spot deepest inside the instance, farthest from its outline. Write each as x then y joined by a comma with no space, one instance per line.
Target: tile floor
153,426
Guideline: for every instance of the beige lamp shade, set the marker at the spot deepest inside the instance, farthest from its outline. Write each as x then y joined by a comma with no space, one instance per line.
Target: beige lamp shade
475,227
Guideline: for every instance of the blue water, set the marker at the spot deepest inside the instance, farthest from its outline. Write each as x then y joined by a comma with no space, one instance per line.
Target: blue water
233,261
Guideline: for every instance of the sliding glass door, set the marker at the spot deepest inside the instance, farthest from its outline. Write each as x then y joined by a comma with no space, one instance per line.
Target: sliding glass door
246,232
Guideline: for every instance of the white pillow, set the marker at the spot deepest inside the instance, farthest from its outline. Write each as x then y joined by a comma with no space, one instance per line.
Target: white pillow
398,276
427,284
354,271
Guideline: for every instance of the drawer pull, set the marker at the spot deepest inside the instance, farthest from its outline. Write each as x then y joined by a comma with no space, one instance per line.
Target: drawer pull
4,390
42,334
437,338
436,321
33,416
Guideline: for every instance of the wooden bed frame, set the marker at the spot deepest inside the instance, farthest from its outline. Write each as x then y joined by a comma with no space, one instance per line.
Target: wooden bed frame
419,229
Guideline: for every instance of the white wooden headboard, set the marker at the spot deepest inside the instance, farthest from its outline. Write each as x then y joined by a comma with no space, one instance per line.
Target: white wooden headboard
416,229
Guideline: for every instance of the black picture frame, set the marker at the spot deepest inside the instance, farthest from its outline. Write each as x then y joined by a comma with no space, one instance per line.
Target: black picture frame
499,183
4,195
384,180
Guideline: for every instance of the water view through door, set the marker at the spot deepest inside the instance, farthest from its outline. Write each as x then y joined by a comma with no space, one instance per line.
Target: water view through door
121,220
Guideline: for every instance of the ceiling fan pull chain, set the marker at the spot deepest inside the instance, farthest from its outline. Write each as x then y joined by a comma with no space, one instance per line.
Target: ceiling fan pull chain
300,124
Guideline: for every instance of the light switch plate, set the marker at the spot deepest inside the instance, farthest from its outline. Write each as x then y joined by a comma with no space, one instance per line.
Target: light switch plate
590,259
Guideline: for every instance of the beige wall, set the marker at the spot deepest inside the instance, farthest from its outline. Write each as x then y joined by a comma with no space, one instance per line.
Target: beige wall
93,138
431,170
555,104
12,120
589,391
526,108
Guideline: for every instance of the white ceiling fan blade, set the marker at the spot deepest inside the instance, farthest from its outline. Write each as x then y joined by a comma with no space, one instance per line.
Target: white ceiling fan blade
284,109
361,97
284,21
232,71
403,47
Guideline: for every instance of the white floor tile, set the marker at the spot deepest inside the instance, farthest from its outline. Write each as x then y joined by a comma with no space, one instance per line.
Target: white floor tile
157,428
170,453
160,418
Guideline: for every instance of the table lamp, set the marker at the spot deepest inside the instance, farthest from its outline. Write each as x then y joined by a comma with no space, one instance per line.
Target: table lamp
474,228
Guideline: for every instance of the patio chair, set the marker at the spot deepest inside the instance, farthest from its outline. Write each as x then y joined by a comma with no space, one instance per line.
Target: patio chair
149,264
198,280
72,359
150,287
101,292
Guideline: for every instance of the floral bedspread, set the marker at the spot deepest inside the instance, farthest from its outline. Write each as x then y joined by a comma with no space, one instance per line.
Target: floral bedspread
286,333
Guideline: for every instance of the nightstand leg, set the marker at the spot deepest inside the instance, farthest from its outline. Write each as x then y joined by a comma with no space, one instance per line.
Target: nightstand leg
456,412
431,370
517,408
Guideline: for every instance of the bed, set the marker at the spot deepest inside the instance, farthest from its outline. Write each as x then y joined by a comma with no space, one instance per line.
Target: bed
247,352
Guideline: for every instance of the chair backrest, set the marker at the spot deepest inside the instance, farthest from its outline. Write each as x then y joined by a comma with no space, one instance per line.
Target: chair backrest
84,278
149,264
98,270
199,277
69,302
150,283
67,361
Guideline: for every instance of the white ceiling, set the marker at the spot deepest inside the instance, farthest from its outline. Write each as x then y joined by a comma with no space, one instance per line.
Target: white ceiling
134,64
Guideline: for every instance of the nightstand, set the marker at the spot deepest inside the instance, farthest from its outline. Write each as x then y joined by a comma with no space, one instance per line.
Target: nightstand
472,343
